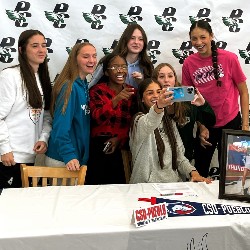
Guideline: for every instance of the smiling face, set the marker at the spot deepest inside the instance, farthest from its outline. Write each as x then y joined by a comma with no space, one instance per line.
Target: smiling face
151,94
201,40
36,51
166,77
117,71
135,43
86,60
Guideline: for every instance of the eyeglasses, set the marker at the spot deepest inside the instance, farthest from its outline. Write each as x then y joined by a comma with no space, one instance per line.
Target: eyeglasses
120,67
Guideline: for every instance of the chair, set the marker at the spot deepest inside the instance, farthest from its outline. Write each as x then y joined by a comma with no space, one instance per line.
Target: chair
127,163
55,173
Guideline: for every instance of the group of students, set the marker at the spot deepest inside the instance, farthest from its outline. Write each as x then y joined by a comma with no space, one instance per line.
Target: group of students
127,104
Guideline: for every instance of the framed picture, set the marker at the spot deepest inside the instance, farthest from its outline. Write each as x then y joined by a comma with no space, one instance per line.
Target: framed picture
235,165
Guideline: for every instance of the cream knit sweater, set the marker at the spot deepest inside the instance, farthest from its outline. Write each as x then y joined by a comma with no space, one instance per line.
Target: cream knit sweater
146,167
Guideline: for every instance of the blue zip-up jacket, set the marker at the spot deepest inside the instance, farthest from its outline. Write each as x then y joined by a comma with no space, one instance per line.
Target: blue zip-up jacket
69,138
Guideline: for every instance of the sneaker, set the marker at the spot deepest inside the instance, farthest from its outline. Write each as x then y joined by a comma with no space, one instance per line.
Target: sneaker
242,191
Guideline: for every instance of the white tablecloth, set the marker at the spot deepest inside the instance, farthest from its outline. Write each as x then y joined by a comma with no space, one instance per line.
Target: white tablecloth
99,217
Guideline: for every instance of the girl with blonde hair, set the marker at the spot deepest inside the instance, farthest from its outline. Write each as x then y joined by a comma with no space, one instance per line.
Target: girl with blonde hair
69,140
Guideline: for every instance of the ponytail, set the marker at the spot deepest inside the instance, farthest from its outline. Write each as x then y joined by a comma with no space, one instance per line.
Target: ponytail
215,62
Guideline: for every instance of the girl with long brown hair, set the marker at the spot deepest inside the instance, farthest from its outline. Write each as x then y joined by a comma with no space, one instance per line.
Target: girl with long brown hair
155,144
25,91
132,45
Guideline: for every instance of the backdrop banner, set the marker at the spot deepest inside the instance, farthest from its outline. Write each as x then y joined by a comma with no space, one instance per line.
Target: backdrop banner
102,22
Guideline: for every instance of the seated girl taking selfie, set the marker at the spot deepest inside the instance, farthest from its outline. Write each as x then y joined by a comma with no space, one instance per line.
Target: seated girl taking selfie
155,144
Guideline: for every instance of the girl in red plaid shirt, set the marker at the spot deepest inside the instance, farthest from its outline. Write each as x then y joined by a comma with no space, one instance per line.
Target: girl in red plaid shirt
112,104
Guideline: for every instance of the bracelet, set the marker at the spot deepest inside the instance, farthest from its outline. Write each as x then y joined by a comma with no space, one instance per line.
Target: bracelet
157,106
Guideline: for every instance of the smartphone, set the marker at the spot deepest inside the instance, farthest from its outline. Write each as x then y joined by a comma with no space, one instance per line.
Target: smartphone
182,94
107,146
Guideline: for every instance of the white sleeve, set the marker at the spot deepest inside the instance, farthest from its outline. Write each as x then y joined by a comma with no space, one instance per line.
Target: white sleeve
7,99
47,126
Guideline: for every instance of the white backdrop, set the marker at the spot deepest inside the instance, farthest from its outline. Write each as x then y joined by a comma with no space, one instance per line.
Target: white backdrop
102,22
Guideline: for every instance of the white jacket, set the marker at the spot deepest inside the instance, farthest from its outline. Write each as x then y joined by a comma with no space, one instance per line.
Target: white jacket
21,126
146,166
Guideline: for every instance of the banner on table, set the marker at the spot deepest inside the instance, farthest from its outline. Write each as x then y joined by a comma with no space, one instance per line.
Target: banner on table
190,208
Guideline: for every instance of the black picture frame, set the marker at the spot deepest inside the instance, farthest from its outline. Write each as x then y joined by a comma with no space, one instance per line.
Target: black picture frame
235,161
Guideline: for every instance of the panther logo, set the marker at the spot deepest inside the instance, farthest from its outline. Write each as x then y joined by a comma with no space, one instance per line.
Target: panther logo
183,52
233,20
202,15
57,16
68,49
166,19
96,16
6,49
153,50
20,14
133,15
107,51
245,54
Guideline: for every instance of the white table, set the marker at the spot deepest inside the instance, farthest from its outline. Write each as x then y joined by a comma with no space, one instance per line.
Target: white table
99,217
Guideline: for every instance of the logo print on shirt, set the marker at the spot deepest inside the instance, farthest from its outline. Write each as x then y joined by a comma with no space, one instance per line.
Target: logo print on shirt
206,74
86,108
10,181
34,114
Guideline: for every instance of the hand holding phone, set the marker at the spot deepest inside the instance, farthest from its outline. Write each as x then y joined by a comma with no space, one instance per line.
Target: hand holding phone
198,99
182,94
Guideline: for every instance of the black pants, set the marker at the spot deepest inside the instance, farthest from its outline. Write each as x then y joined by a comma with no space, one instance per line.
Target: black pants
104,168
203,156
10,177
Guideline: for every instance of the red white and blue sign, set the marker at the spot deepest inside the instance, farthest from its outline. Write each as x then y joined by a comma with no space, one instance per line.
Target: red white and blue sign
154,213
189,208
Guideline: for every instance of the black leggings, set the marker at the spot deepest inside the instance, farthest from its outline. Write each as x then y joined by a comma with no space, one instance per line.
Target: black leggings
203,156
104,168
10,176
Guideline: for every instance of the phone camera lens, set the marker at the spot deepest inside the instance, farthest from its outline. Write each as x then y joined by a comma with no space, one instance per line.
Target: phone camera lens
190,90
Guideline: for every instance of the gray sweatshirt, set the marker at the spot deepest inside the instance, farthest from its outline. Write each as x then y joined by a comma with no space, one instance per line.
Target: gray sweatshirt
146,166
